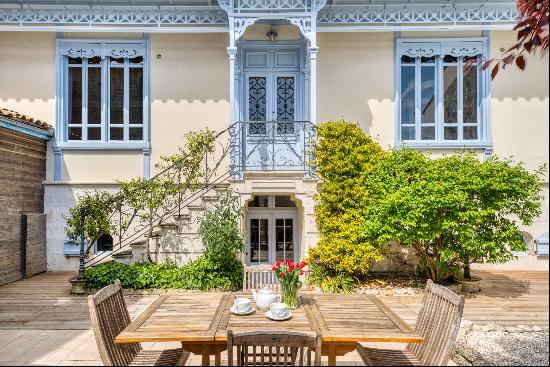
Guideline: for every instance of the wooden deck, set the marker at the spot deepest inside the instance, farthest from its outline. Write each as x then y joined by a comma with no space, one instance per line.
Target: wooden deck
44,302
507,298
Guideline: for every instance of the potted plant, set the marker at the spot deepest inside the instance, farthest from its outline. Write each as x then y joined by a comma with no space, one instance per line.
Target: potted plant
288,273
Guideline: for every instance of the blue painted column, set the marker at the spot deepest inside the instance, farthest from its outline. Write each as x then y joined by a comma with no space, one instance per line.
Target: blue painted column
58,163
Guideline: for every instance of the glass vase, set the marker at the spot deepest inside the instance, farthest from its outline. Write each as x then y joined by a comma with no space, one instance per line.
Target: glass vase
289,294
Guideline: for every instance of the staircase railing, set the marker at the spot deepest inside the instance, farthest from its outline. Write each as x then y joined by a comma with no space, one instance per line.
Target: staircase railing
273,146
234,151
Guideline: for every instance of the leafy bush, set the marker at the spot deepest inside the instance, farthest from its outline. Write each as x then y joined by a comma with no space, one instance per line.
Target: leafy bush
345,156
97,206
218,268
452,210
219,230
335,283
202,274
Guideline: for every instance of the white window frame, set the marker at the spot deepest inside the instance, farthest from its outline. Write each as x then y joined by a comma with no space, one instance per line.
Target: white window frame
105,49
439,47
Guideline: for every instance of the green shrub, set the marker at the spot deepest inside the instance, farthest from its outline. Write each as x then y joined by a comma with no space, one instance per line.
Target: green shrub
452,210
345,156
202,274
207,274
335,282
219,230
97,206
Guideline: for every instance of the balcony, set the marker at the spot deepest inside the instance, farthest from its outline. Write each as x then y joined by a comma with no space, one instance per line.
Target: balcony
272,146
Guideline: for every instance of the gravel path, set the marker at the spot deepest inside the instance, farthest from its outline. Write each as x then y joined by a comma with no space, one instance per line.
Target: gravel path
499,348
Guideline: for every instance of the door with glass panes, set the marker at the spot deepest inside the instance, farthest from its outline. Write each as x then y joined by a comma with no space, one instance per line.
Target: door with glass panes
272,234
272,103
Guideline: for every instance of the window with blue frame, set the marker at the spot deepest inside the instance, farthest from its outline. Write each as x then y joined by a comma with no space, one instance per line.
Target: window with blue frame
103,89
441,92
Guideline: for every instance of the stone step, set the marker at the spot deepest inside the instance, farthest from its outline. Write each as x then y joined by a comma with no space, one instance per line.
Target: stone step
124,257
121,254
167,227
195,207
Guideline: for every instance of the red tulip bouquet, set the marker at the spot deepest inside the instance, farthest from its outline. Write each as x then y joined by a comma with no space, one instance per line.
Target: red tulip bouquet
288,273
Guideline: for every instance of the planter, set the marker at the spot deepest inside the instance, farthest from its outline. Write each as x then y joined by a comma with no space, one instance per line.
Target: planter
470,285
77,286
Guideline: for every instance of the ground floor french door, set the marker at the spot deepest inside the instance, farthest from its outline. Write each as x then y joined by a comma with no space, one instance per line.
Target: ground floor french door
272,235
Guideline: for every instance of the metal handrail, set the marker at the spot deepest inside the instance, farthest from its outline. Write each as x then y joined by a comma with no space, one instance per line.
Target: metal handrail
296,137
273,146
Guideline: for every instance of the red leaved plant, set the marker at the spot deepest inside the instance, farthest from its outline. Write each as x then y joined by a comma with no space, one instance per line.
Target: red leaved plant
532,36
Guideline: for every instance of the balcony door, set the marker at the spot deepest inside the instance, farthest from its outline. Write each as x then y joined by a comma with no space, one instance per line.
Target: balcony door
270,97
272,106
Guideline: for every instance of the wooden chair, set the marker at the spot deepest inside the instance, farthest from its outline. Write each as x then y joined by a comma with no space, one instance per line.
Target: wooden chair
438,323
109,317
259,276
274,348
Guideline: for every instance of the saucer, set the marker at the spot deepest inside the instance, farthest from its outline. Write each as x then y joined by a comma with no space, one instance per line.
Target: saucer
270,316
250,310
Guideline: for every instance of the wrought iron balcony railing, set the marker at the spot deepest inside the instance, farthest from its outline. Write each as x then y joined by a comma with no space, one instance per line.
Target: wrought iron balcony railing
272,146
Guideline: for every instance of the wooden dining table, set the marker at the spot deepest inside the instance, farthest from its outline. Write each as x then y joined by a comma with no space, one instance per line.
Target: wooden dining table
200,322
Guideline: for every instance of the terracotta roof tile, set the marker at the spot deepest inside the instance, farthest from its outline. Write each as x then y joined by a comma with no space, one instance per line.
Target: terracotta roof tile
4,112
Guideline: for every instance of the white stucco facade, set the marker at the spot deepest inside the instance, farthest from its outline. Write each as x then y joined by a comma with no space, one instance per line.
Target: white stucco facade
193,82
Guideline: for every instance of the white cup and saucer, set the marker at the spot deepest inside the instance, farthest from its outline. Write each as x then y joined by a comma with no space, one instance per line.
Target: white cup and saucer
242,306
278,311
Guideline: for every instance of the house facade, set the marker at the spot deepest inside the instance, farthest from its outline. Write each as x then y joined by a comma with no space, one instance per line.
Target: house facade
123,81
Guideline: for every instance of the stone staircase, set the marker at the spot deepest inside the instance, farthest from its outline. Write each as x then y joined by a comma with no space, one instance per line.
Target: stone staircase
177,239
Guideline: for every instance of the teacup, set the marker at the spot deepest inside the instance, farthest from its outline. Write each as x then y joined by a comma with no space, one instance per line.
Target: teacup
241,304
279,309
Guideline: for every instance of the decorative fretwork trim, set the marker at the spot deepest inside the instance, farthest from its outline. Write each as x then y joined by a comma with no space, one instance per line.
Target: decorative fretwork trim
108,16
304,24
271,6
89,50
429,49
420,49
418,14
241,23
462,49
149,17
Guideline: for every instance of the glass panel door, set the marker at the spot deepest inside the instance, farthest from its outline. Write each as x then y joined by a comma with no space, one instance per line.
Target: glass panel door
259,241
284,239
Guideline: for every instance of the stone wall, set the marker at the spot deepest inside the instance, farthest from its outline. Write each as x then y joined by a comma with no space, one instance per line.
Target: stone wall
22,171
396,259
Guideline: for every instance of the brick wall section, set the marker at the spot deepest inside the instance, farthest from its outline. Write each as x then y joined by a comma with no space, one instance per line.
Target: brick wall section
22,171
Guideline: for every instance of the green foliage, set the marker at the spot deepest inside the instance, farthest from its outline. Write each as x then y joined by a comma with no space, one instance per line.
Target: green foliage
345,156
148,201
202,274
218,268
452,210
97,206
219,230
329,282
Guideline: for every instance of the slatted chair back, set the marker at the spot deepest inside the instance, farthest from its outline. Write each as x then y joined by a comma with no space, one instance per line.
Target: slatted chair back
274,348
438,323
109,316
259,276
